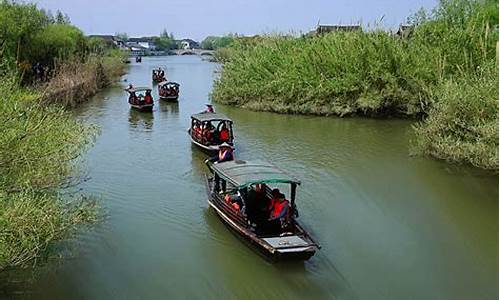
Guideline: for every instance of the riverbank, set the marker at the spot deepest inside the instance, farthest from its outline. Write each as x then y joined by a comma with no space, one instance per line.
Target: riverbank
40,140
38,158
74,81
375,74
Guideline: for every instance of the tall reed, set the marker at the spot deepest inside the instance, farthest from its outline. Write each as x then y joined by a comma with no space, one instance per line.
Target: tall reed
372,73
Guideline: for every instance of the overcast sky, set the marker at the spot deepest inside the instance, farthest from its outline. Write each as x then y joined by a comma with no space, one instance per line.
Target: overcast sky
197,19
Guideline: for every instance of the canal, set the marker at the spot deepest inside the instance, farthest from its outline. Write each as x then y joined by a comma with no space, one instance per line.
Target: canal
392,226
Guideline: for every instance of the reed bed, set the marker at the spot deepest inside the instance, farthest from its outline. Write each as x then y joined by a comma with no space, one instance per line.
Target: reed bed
38,146
73,81
378,74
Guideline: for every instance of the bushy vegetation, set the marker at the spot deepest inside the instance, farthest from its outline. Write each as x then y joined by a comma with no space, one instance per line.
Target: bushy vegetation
217,42
374,73
462,126
38,144
39,139
166,41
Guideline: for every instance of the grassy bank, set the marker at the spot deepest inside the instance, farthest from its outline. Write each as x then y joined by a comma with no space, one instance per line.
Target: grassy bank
38,144
74,81
40,140
376,74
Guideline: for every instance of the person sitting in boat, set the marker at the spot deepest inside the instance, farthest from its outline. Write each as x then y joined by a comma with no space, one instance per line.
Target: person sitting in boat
148,99
225,154
140,99
209,133
197,131
279,212
133,97
224,133
235,201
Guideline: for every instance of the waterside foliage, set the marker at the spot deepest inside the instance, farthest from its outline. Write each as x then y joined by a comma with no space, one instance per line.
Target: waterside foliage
373,73
40,141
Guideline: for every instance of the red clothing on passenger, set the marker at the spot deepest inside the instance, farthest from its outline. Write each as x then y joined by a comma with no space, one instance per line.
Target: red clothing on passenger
277,207
224,135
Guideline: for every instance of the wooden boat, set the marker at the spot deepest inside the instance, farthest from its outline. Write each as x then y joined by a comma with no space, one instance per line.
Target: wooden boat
209,130
158,75
168,90
140,102
289,240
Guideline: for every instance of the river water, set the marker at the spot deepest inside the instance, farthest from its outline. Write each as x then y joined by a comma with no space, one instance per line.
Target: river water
392,226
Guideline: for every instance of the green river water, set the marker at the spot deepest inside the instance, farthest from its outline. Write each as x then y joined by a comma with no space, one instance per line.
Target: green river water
391,226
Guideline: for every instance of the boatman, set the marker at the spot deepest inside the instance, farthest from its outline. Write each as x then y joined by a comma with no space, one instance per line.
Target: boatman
225,154
210,108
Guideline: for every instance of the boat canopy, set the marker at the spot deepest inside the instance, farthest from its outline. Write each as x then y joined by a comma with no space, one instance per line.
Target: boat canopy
208,116
168,83
139,89
245,173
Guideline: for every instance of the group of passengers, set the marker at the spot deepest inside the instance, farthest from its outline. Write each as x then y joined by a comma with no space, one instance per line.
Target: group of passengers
209,135
140,99
170,89
267,214
159,74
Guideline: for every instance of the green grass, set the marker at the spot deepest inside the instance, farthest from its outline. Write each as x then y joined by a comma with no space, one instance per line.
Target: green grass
463,124
376,74
40,140
38,147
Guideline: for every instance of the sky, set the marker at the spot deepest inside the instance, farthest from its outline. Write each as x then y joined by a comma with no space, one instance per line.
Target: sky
197,19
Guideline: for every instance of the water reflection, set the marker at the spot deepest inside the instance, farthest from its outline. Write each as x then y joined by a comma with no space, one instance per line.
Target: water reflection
139,119
168,107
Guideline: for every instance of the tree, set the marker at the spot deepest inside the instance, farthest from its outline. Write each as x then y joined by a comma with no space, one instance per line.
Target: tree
166,41
122,36
164,34
61,18
216,42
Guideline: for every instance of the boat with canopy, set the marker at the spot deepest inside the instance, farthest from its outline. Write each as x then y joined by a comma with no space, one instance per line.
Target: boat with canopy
168,90
209,130
240,193
140,98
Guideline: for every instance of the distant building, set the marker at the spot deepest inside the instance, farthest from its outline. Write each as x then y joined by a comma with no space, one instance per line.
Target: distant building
188,44
322,29
137,49
145,42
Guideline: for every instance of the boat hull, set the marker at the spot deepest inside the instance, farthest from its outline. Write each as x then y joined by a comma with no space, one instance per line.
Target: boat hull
170,98
212,149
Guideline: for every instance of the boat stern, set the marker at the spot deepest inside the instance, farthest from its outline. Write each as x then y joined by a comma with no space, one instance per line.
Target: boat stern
291,247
